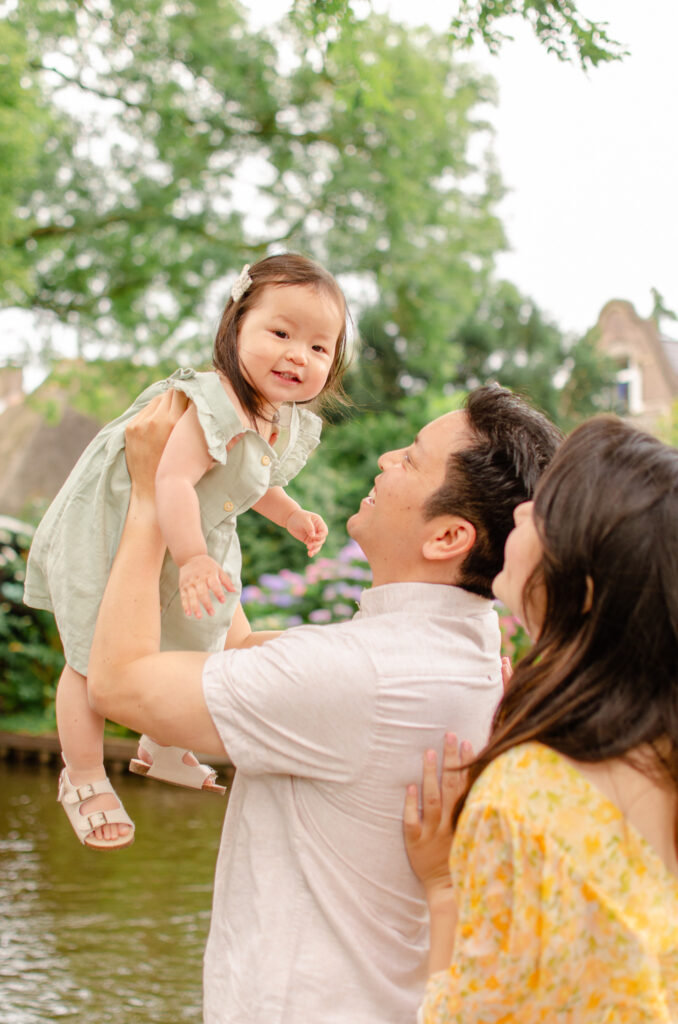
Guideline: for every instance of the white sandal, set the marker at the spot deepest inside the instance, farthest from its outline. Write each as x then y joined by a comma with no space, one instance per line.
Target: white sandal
169,766
72,798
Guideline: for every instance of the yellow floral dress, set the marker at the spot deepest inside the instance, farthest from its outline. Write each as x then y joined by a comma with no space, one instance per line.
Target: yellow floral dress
566,914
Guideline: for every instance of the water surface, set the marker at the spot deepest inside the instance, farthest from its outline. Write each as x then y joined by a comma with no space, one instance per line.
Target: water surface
103,938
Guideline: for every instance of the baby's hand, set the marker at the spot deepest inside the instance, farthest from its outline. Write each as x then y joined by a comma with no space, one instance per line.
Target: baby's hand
197,577
309,528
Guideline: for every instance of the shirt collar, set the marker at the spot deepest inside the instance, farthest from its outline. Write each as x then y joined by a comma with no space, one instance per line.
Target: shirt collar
395,596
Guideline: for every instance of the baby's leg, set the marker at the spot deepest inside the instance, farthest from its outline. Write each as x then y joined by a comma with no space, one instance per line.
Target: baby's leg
81,731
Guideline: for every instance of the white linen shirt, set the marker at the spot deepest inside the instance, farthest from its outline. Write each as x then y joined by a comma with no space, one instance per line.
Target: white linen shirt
317,917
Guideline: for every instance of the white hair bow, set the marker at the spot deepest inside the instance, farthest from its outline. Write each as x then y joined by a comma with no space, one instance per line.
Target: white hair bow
241,284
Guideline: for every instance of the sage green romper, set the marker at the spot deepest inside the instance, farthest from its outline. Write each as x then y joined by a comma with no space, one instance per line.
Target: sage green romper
76,541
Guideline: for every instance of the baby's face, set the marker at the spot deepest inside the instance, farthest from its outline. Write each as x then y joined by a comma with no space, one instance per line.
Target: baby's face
287,342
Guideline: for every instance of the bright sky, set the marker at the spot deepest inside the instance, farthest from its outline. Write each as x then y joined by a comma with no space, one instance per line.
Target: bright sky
591,162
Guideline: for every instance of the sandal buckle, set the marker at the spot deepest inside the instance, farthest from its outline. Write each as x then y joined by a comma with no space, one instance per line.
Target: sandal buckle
97,819
85,792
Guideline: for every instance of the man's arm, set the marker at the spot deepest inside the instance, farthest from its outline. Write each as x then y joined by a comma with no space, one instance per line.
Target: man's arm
130,681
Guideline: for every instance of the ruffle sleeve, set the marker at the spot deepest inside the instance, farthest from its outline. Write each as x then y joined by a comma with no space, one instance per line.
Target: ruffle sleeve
217,417
305,431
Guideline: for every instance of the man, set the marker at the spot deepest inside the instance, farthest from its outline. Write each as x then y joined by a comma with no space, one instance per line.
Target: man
317,917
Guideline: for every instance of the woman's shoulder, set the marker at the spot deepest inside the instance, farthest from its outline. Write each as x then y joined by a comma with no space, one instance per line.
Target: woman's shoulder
535,786
519,773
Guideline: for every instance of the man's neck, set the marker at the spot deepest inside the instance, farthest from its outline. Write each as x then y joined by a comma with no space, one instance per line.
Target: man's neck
382,576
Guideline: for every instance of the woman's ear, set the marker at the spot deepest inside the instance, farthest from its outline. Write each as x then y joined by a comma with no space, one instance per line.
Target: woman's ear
450,537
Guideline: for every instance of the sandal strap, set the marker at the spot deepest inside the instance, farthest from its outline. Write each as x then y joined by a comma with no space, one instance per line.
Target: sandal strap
70,794
72,798
169,766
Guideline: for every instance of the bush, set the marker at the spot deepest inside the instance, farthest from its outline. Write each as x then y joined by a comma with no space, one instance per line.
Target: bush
328,590
31,658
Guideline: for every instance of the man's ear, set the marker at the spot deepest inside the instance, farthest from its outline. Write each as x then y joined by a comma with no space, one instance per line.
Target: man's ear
449,537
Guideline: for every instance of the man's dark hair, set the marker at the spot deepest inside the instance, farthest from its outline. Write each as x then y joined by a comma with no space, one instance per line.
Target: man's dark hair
512,446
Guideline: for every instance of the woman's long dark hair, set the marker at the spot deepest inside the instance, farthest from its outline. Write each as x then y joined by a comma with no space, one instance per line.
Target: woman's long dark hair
282,271
602,678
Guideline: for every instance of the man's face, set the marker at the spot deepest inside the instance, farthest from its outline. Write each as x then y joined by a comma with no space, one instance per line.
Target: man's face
390,524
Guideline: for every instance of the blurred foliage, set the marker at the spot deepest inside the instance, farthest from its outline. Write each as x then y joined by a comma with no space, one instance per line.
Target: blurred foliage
559,25
100,388
182,144
514,639
30,650
667,429
328,590
24,126
508,338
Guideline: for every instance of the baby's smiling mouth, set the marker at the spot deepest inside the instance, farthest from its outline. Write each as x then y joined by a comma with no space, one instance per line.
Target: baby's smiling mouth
287,376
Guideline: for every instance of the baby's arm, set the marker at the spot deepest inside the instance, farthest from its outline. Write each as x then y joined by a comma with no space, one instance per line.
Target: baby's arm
184,462
308,527
240,633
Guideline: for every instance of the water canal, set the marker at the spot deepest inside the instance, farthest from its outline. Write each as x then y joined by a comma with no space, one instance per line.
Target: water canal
103,938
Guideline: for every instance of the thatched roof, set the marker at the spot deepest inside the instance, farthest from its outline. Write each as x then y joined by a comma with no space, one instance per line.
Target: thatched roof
41,439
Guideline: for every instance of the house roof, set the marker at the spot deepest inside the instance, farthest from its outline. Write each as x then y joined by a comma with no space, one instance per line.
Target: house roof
38,451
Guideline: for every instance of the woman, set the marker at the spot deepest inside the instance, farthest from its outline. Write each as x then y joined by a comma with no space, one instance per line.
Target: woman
564,866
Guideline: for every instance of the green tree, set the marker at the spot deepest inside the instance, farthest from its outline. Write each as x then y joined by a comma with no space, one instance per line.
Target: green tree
201,149
559,25
397,196
24,126
507,338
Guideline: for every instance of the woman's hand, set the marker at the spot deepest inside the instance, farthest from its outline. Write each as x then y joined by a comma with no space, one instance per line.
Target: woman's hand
428,836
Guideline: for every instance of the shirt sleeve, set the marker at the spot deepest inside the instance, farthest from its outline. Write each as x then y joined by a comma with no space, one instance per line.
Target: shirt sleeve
301,704
497,871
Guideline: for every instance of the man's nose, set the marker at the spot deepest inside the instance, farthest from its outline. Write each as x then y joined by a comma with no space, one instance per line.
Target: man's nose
387,459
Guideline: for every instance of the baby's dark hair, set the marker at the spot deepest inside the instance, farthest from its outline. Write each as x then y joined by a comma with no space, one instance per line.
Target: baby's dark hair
283,270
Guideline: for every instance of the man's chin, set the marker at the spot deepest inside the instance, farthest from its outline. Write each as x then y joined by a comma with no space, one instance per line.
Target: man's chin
353,527
350,524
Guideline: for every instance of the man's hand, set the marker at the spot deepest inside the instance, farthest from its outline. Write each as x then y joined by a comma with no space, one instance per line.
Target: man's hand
198,577
309,528
428,836
146,436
